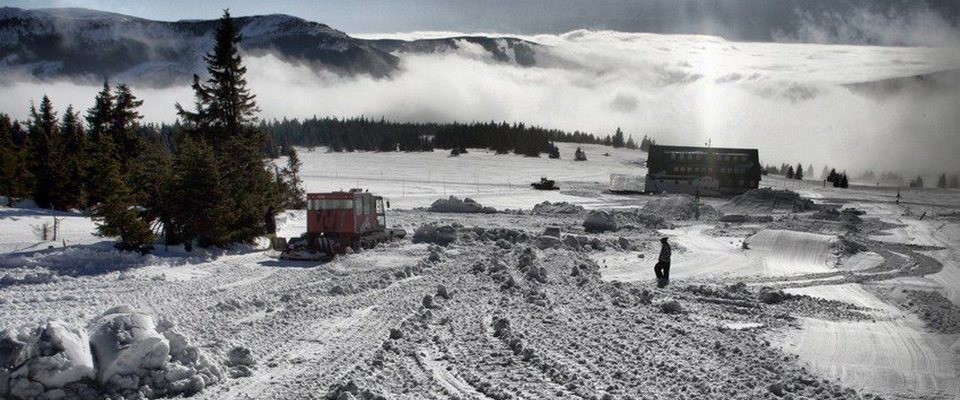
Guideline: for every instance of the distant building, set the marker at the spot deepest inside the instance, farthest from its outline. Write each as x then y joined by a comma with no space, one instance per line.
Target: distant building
711,171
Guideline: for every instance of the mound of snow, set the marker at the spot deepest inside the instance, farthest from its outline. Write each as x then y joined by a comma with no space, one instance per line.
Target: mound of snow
126,355
437,234
768,199
127,345
455,205
678,206
599,221
547,208
49,357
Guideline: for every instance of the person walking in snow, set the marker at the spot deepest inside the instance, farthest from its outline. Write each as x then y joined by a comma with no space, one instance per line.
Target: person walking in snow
662,269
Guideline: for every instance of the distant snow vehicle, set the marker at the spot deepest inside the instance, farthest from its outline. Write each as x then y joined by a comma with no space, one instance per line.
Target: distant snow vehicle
545,184
337,221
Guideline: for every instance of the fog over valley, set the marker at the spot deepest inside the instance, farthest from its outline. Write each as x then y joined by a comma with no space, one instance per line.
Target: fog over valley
786,99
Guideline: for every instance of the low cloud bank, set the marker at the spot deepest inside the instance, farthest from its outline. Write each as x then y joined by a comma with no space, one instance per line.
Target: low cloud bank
787,99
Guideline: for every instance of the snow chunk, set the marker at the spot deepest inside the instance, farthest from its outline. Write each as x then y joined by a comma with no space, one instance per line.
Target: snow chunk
437,234
547,208
455,205
599,221
51,356
127,346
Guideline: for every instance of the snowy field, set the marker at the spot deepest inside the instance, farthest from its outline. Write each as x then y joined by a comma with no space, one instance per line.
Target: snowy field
502,181
810,304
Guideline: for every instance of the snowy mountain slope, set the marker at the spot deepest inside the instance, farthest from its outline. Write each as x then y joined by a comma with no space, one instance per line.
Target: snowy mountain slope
509,50
81,43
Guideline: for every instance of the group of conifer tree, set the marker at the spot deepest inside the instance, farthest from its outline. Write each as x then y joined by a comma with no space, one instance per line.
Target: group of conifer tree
210,184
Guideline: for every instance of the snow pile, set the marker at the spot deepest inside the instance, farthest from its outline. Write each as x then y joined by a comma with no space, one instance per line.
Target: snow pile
677,206
455,205
46,359
940,314
768,199
547,208
240,360
437,234
126,354
599,221
78,261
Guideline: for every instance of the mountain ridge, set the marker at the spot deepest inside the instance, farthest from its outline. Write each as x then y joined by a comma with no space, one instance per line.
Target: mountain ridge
79,43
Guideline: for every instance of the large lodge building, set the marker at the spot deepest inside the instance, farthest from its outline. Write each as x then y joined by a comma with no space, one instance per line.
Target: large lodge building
709,171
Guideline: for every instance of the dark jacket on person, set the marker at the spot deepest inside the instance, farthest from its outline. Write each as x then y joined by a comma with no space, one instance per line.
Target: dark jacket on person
665,252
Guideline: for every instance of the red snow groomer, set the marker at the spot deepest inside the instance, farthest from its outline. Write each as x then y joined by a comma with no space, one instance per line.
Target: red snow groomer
337,221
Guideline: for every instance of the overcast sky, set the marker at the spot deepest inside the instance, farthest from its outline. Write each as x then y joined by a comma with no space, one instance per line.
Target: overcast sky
753,20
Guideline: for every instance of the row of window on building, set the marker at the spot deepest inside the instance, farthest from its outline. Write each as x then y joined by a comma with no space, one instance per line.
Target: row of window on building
708,170
694,155
723,182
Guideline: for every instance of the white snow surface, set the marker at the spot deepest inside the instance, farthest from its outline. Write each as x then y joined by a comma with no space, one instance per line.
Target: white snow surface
307,326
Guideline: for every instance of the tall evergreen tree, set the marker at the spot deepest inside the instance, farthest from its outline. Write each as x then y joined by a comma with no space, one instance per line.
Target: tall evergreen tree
118,215
222,120
101,150
617,140
72,160
291,184
44,139
125,125
799,174
15,178
199,203
942,182
790,173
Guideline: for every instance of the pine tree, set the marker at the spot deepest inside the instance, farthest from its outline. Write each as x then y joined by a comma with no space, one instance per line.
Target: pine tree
101,153
843,182
223,120
617,140
44,139
631,144
942,182
198,200
833,177
799,174
72,161
790,173
149,178
15,178
826,173
118,215
292,186
124,126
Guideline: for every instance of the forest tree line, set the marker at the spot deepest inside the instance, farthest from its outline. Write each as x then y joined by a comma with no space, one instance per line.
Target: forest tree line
363,134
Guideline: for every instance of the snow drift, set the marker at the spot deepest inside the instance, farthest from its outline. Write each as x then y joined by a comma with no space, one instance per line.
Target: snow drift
127,355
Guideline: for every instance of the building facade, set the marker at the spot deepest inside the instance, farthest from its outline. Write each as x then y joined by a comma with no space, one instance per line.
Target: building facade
708,171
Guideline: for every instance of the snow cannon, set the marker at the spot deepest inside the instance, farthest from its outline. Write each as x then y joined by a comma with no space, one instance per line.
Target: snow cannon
338,222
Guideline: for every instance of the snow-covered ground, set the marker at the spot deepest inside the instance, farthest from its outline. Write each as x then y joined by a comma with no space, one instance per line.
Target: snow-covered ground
501,181
519,316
